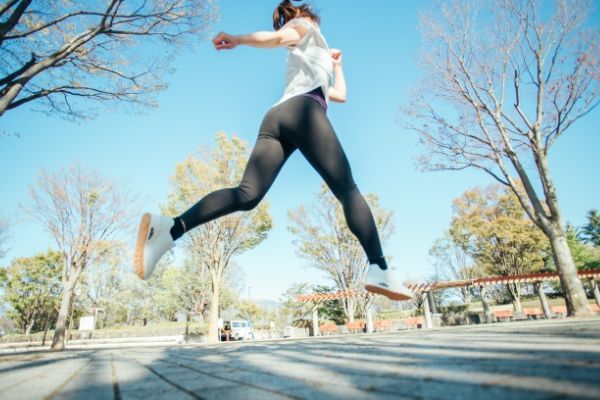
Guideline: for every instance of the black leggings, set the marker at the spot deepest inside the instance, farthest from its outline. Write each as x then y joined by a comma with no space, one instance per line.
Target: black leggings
298,123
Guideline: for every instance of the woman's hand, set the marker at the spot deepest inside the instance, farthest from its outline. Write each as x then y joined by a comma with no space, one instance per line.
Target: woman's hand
336,56
337,92
225,41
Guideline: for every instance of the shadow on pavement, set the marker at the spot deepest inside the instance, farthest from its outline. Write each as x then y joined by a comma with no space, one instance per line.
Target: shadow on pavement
486,363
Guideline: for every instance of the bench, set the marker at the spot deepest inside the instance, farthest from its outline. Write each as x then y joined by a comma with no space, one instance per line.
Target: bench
560,311
502,314
413,322
536,313
327,329
382,325
356,326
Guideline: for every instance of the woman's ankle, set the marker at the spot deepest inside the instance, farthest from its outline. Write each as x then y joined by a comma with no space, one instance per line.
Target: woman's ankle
178,228
380,261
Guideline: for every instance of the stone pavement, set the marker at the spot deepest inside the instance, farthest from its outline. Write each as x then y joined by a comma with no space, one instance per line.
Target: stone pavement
520,360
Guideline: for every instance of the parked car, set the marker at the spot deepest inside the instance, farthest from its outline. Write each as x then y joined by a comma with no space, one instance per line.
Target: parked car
236,330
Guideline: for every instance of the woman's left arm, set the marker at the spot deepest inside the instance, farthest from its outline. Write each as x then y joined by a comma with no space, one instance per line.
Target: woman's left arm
337,92
282,37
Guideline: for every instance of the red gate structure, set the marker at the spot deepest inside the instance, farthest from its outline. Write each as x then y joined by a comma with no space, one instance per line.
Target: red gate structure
424,289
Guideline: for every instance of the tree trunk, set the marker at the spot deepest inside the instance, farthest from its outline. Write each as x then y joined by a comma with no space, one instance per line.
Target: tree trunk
515,292
427,311
432,304
575,297
214,310
46,326
10,95
517,304
595,291
58,342
369,314
30,325
350,308
543,300
315,319
465,295
487,312
70,320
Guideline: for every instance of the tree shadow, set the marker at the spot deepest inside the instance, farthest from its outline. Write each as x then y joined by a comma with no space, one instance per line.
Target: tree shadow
478,363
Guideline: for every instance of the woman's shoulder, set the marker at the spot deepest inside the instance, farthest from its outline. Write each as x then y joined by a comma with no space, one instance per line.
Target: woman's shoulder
301,21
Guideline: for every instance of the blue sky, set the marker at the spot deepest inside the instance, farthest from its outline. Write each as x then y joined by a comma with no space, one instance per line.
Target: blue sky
230,91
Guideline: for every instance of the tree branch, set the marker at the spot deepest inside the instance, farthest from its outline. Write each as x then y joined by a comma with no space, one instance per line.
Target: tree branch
14,18
13,75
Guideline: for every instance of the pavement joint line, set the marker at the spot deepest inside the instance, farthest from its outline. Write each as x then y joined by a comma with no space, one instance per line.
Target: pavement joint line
179,364
167,380
115,381
71,377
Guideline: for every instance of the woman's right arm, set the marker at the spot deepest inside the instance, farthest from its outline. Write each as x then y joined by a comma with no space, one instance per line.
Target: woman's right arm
337,92
282,37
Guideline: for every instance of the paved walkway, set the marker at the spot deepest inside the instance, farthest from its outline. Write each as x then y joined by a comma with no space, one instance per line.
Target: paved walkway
524,360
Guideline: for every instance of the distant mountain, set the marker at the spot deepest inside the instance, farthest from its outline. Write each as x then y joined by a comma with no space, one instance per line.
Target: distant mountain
268,304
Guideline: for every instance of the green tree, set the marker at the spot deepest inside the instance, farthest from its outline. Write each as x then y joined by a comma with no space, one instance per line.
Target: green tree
590,232
503,81
32,289
584,256
86,215
215,243
58,53
330,310
103,282
325,241
196,286
251,311
166,289
495,231
134,302
296,312
299,312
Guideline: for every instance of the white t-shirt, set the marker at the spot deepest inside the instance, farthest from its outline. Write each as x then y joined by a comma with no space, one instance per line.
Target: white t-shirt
309,63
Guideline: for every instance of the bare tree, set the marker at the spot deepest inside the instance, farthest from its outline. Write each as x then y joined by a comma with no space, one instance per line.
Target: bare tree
452,262
324,239
104,280
196,287
110,50
215,243
504,80
3,236
86,215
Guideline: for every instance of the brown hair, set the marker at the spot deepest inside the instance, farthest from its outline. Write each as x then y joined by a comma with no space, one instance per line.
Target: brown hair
286,12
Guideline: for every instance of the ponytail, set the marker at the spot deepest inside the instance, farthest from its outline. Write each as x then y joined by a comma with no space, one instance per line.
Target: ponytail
286,11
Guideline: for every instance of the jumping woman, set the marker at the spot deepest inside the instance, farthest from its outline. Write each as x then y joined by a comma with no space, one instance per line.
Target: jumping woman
297,121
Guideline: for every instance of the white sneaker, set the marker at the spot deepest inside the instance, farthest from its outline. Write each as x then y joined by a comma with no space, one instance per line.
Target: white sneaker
386,283
154,240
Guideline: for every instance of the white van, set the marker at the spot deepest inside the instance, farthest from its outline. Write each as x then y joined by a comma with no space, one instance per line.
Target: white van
238,330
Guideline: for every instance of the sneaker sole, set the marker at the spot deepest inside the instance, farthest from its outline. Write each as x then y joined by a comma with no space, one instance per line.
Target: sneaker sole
140,244
388,293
